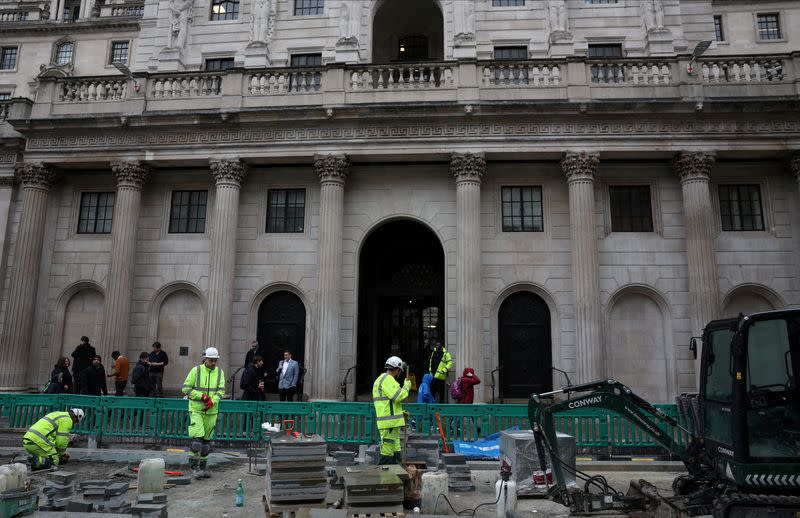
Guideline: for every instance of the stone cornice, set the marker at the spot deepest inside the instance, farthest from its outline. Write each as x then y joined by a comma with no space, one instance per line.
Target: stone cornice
467,167
332,168
580,166
56,27
228,171
694,165
130,174
35,174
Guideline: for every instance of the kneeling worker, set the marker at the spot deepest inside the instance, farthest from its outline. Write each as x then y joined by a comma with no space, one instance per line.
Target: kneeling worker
47,440
388,397
204,387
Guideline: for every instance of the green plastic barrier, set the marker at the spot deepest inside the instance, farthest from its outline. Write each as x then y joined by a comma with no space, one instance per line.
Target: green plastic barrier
172,418
238,421
92,410
302,414
26,409
345,422
128,417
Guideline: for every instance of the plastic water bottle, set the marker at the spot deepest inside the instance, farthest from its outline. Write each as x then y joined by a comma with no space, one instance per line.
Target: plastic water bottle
240,494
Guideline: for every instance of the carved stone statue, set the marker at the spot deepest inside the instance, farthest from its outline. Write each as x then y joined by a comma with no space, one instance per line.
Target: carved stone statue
349,22
180,16
464,20
262,21
653,15
558,16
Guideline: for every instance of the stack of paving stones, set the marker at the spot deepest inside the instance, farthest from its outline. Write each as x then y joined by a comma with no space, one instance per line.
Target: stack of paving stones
371,455
296,472
106,496
150,505
341,459
373,493
459,476
423,449
59,488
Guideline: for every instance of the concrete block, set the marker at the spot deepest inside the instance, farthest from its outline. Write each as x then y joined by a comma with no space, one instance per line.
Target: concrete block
79,506
152,498
61,477
179,481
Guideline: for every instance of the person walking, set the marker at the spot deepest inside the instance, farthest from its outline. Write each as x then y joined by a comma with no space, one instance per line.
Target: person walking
424,395
81,358
60,378
288,374
204,387
252,385
140,377
93,379
439,365
47,440
120,373
388,397
467,383
157,360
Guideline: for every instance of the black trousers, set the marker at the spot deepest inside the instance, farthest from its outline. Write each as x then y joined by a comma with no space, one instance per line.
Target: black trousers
120,387
438,390
286,394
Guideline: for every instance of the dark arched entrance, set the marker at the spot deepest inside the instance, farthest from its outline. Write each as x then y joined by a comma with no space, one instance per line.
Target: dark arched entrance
400,298
525,348
407,31
281,327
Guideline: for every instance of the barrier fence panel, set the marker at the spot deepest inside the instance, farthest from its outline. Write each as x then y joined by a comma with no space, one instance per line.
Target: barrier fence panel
26,409
128,417
301,415
345,422
238,421
172,418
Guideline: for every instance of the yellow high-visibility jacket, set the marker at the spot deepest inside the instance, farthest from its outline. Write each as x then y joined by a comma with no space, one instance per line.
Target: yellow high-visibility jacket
51,432
202,380
388,397
445,364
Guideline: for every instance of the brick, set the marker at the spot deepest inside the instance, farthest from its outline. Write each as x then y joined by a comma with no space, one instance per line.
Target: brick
61,477
180,481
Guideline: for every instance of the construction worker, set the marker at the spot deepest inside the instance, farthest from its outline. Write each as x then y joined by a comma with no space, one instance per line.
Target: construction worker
388,397
439,365
204,387
47,440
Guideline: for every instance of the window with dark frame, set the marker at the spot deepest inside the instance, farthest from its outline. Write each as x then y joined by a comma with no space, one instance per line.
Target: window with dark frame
8,58
719,34
72,11
522,209
604,50
286,209
769,26
601,1
309,7
515,52
224,10
64,53
119,52
96,212
218,64
508,3
631,209
187,213
740,207
4,96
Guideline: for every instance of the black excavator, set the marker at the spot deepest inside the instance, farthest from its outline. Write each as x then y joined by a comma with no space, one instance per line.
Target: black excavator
739,437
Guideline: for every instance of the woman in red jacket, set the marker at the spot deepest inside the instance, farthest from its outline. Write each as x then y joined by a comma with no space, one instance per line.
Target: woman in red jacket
467,383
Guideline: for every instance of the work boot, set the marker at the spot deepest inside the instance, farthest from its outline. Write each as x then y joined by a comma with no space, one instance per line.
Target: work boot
194,465
204,469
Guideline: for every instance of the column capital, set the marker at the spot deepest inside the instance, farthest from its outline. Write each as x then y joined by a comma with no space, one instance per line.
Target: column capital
794,165
580,166
694,165
35,174
332,168
130,174
228,171
468,167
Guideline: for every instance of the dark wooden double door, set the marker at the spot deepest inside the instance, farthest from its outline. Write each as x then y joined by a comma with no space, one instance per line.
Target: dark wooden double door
281,327
525,347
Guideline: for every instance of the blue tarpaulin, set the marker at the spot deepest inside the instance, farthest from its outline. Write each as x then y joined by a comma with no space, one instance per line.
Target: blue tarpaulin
487,448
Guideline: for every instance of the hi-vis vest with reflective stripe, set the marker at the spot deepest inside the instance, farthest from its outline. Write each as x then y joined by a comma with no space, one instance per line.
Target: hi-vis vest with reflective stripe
51,431
201,380
445,364
388,396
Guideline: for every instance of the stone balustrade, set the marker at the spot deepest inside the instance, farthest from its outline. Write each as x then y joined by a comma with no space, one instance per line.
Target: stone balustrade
515,74
128,9
756,70
281,82
195,85
620,72
4,106
394,77
14,15
91,90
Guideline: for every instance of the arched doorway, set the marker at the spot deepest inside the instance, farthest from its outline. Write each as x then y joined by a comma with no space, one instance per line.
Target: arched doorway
400,298
525,347
83,316
281,327
408,31
180,331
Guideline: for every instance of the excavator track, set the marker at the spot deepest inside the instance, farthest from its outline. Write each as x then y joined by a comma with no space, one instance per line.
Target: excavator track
746,505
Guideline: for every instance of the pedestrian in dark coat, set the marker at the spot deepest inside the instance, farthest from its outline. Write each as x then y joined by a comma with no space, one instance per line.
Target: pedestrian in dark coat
81,358
140,377
93,379
60,378
252,385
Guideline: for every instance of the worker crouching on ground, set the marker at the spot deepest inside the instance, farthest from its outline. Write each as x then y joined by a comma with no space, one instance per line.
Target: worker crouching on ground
204,387
47,440
388,397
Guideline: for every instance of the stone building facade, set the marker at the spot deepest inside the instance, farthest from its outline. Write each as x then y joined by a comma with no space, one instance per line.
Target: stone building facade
574,185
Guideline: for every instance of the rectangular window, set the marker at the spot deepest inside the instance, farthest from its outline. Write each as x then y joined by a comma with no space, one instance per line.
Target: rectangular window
740,207
8,58
219,64
306,60
188,212
119,52
224,10
4,96
520,52
769,26
309,7
613,50
719,35
522,209
286,209
306,81
601,1
631,210
96,212
508,3
72,11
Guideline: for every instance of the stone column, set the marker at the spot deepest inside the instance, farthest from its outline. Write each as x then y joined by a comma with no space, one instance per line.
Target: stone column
580,170
468,170
694,170
323,362
131,176
15,343
228,175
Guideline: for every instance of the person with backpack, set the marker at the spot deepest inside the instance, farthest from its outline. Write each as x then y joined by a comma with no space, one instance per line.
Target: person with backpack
464,387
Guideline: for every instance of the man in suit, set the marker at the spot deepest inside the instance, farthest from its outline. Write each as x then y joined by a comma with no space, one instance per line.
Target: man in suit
288,375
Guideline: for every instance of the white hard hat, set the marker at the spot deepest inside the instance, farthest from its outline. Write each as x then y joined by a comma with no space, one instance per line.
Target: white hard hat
77,413
212,353
394,362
